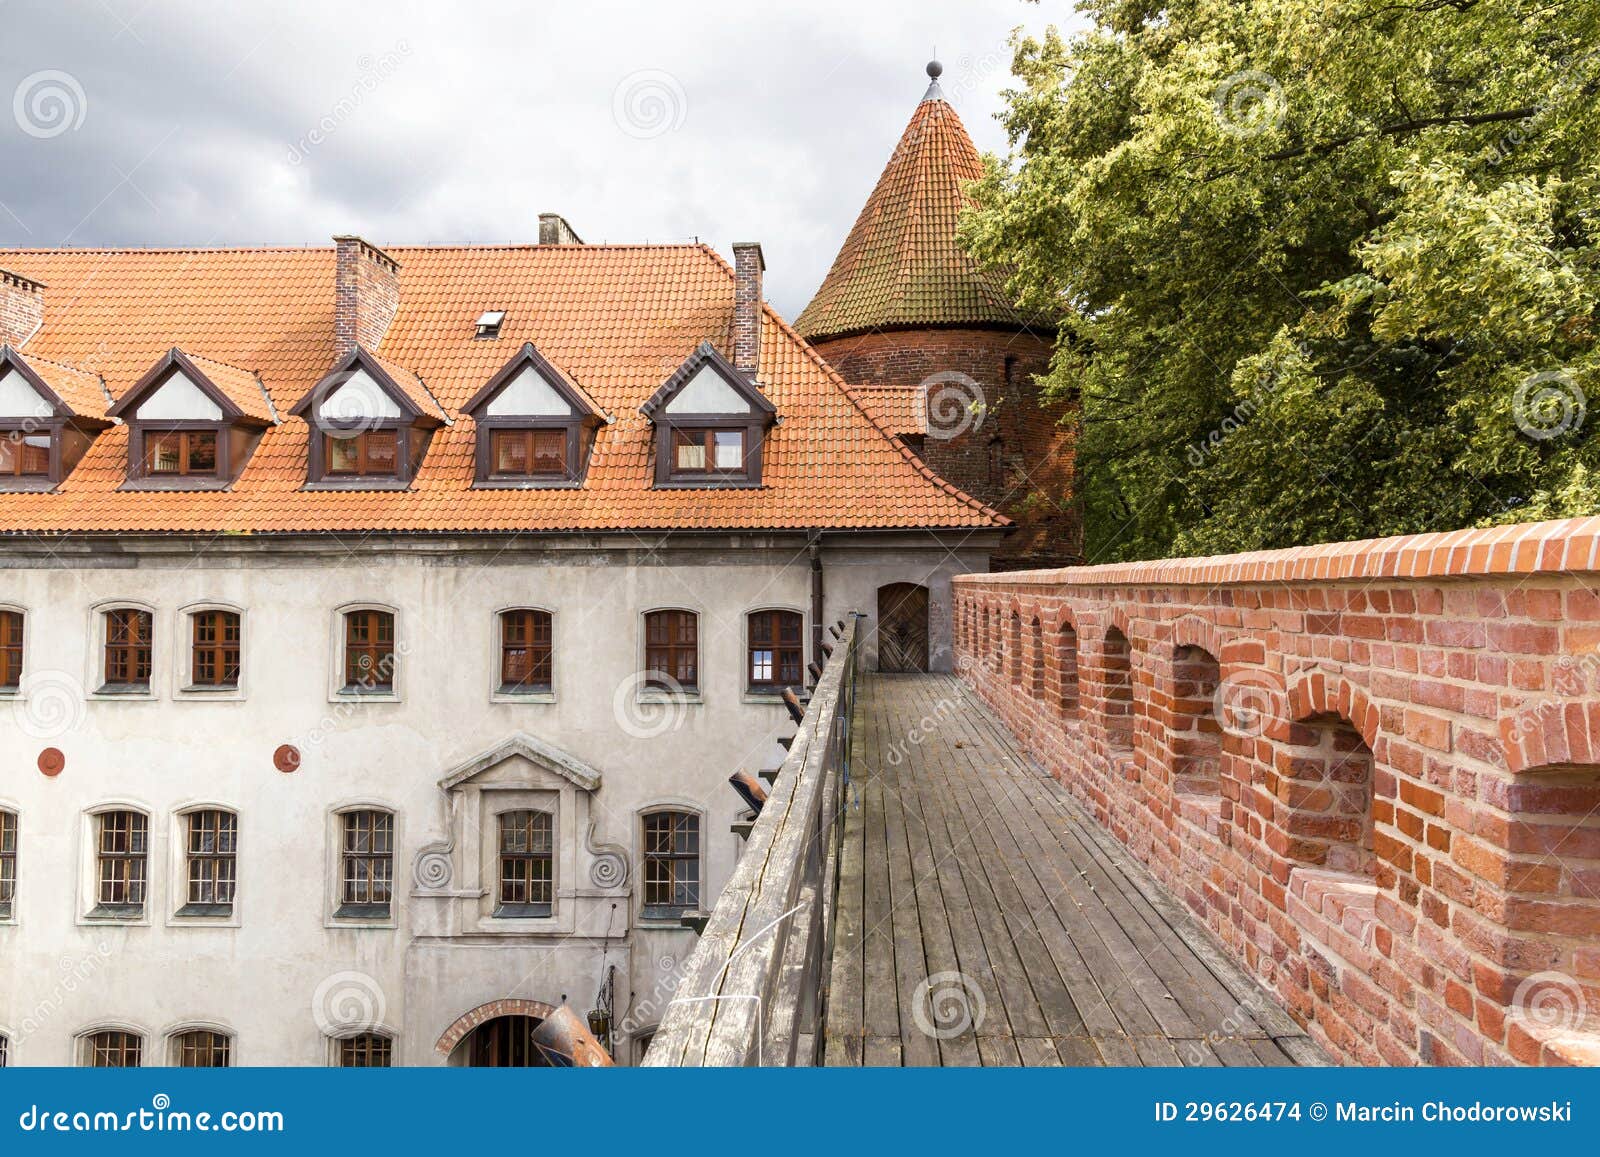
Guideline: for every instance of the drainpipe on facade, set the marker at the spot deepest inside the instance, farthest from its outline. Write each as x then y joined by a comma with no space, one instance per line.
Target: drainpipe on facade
814,549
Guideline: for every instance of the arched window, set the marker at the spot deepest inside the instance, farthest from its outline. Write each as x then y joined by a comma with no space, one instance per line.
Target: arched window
775,650
364,1050
672,650
211,862
526,652
216,638
8,863
202,1048
369,659
527,865
11,623
129,639
112,1049
671,864
366,864
122,864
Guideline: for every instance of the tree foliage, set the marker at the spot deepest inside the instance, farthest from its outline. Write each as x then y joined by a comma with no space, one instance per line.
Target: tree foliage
1329,266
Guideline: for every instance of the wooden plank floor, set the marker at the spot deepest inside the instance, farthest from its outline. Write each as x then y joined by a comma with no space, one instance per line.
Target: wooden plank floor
985,920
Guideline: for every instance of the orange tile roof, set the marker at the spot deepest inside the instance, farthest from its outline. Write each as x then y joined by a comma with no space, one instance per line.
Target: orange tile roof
900,266
897,409
241,387
619,319
415,388
83,392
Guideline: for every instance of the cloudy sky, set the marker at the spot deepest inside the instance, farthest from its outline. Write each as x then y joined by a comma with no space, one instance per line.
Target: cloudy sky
143,123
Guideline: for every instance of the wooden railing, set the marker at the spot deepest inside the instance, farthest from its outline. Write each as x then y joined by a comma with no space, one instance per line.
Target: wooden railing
754,992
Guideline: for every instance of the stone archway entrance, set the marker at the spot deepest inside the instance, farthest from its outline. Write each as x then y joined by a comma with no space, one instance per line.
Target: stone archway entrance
497,1035
903,627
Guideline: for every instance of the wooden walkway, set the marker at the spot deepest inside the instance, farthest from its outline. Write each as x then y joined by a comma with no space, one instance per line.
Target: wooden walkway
983,919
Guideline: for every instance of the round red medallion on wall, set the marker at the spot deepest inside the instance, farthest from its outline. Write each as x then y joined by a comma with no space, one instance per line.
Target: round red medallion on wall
286,758
52,761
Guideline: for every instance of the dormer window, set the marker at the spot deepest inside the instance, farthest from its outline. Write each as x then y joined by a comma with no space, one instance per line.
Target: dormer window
49,414
371,422
192,423
536,425
711,421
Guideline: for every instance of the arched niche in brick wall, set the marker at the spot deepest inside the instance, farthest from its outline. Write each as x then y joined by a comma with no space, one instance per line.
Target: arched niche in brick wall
1324,793
1067,668
1116,683
1196,735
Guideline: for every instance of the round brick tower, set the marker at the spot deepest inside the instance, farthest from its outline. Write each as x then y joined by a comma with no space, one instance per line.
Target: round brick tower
936,349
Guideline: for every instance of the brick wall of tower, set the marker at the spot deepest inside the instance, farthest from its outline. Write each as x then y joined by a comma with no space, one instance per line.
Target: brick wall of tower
988,430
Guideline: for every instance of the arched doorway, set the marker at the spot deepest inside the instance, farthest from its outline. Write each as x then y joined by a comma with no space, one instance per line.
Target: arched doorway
506,1042
903,627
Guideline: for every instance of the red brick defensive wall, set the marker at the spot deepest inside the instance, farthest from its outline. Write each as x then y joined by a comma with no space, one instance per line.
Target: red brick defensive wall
1371,768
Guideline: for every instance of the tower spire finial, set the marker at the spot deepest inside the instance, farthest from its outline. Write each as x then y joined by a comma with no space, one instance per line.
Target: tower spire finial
935,70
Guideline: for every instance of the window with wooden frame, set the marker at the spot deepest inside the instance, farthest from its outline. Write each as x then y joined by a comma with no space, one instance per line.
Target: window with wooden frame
8,863
128,648
202,1048
211,853
529,453
672,650
113,1049
671,864
369,662
179,453
367,454
527,864
366,864
215,660
11,624
776,647
716,453
25,453
525,652
5,1050
367,1050
122,861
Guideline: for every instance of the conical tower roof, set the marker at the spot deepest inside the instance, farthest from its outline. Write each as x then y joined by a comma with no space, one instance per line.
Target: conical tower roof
900,267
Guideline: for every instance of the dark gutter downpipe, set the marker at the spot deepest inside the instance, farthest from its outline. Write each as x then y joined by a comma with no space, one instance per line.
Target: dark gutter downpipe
814,549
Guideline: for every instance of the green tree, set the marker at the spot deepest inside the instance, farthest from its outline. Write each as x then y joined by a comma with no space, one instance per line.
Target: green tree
1329,266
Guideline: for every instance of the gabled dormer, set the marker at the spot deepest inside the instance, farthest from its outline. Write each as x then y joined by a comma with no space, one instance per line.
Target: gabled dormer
710,422
536,426
192,423
371,422
49,414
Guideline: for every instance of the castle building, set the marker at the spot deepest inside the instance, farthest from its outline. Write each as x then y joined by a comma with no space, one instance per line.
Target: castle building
935,347
379,628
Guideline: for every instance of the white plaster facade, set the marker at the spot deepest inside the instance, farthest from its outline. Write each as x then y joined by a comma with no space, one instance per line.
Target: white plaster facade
442,753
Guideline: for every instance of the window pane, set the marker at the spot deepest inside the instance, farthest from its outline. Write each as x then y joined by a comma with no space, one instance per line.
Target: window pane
35,454
691,452
381,454
510,451
115,1050
730,449
163,453
550,451
10,648
367,1051
202,452
344,455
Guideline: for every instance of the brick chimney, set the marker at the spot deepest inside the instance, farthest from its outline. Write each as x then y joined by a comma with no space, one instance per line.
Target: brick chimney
21,307
366,284
748,266
554,230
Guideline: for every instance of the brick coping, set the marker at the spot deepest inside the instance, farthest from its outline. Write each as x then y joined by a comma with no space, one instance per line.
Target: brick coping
1564,546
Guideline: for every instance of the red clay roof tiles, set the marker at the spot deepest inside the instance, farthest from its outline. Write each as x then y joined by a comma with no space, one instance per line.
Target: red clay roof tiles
619,319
